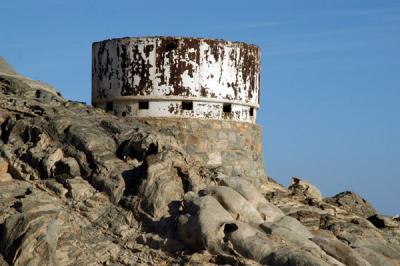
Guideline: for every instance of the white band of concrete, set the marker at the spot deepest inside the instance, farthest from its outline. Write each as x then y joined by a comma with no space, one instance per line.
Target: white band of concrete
172,98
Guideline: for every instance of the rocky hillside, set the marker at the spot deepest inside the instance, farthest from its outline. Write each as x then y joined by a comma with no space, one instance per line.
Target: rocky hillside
79,186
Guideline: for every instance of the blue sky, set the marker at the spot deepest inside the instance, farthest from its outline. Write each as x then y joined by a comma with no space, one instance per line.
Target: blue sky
330,73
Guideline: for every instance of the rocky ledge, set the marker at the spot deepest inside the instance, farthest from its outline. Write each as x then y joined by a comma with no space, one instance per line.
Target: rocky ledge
79,186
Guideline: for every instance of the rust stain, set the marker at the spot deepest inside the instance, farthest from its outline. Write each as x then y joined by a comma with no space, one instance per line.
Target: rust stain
171,63
175,66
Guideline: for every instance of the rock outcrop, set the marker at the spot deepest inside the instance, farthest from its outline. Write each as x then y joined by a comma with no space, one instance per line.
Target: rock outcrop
79,186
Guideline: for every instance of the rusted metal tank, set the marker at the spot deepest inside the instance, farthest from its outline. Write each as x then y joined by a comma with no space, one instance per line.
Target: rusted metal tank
177,77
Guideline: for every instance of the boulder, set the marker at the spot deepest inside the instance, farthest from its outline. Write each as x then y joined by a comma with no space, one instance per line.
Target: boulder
56,187
250,242
79,189
205,224
304,188
66,168
134,193
295,256
50,159
162,185
30,237
352,203
290,230
236,205
267,210
382,221
340,251
376,258
308,217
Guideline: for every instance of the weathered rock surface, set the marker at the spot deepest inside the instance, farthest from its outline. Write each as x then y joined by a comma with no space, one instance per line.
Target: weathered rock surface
79,186
352,203
304,188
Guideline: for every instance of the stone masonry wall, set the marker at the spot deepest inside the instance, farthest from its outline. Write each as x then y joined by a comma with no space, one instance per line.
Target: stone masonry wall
234,146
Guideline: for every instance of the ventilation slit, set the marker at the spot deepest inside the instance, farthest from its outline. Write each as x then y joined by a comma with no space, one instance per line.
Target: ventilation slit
187,105
143,105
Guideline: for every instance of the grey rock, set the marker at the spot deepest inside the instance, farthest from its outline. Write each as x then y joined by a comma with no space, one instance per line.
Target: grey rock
157,242
309,218
162,185
288,228
268,211
382,221
236,205
204,224
294,256
129,193
250,242
304,188
79,189
340,251
50,159
352,203
376,258
56,187
66,168
30,237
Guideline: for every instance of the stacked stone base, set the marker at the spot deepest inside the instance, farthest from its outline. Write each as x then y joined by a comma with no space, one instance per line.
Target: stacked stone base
236,147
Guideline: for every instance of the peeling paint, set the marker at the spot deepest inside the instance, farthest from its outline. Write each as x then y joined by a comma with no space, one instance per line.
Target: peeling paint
166,69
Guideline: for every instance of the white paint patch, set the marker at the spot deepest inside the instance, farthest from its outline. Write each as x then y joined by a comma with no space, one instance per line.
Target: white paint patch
163,67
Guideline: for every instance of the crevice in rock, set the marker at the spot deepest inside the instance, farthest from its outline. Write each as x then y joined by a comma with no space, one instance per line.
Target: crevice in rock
133,179
228,229
5,130
184,179
153,149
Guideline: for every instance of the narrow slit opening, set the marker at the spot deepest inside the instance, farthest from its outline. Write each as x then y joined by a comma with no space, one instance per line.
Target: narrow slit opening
227,108
143,105
187,105
109,106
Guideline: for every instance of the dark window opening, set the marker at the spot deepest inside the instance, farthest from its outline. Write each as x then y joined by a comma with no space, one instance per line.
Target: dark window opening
123,114
227,108
144,105
171,46
187,105
109,106
251,111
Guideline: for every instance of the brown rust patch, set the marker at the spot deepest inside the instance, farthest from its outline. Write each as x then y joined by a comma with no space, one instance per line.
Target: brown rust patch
135,66
203,92
173,58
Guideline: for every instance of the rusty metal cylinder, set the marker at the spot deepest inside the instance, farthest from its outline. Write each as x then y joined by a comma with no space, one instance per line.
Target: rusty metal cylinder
177,77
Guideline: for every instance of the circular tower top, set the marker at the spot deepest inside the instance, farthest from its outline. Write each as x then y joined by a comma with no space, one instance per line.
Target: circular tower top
177,77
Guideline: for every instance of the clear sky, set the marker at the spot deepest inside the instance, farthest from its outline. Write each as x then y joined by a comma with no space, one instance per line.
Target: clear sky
330,102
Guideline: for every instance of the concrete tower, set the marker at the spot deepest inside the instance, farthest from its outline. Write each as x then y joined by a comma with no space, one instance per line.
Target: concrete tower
207,89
